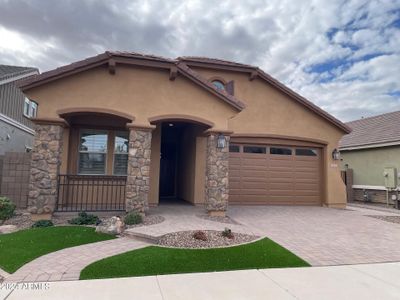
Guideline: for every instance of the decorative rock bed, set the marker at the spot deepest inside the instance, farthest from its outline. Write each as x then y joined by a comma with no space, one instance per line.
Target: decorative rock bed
225,220
391,219
148,220
185,239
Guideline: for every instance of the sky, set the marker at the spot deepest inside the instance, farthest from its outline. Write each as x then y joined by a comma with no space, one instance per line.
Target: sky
342,55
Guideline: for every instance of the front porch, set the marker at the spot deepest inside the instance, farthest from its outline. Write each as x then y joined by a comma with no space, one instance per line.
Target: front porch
103,161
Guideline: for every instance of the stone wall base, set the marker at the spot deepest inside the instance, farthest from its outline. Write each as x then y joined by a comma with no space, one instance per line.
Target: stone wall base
376,196
38,217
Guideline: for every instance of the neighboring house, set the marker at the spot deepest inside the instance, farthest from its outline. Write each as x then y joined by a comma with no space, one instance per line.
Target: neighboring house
123,131
16,128
372,146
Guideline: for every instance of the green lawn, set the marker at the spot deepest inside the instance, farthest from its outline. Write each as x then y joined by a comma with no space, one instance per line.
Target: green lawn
21,247
155,260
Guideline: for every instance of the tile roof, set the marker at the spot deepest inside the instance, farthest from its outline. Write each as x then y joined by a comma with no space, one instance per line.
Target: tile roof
183,64
7,71
210,60
367,132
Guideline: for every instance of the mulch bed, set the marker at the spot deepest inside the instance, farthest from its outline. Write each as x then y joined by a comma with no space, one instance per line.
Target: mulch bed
148,220
391,219
226,219
185,239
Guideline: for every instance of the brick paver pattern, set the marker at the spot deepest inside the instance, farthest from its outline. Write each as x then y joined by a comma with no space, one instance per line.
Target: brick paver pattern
322,236
67,264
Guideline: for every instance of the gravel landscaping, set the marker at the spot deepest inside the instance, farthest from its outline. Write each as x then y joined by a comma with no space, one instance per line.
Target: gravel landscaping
391,219
226,219
148,220
185,239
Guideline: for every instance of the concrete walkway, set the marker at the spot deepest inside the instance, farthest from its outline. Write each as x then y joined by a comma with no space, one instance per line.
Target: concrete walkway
373,281
66,264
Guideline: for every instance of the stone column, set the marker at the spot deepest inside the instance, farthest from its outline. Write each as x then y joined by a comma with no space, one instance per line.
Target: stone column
45,166
138,177
217,172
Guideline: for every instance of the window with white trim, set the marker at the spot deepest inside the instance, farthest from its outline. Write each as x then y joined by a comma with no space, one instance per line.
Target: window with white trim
30,108
92,152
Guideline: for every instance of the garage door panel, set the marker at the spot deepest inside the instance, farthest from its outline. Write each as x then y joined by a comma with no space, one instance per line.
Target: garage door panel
264,178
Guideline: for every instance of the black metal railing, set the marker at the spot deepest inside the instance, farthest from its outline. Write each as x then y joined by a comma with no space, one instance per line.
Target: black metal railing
90,193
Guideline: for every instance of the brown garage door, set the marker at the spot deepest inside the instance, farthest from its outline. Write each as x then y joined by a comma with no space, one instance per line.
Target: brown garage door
269,174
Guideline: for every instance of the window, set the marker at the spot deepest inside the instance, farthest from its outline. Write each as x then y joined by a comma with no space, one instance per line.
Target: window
121,146
306,152
234,148
254,149
92,152
280,151
218,84
30,108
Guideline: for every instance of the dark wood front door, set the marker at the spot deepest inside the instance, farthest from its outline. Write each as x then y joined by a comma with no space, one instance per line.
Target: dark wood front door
168,169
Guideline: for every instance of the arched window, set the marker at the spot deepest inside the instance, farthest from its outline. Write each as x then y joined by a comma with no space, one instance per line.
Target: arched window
218,84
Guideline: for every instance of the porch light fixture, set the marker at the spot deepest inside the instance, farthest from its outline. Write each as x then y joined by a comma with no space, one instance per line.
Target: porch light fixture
221,141
336,154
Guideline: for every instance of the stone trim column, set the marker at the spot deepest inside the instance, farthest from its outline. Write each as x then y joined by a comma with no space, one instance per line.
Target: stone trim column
217,172
138,175
45,166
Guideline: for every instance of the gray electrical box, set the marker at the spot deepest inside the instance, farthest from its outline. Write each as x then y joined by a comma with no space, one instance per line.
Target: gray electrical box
390,176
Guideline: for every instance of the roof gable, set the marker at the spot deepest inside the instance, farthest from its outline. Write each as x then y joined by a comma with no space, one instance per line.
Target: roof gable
255,72
113,58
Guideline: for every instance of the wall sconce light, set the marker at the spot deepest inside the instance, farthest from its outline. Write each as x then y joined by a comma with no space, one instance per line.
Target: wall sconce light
336,154
221,141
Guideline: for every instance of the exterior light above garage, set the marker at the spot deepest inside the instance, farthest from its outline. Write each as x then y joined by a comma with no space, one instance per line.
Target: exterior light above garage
336,154
221,141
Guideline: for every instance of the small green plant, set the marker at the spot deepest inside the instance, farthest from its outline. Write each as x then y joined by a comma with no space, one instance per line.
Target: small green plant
42,223
200,235
228,233
7,208
85,219
133,218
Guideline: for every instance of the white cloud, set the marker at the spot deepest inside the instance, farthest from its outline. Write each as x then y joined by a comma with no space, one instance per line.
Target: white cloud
326,50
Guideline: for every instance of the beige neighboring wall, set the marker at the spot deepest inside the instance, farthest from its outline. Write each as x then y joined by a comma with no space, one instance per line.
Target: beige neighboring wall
269,111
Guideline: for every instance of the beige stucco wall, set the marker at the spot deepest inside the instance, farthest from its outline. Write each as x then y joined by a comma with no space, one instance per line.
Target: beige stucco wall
141,92
155,166
271,112
145,93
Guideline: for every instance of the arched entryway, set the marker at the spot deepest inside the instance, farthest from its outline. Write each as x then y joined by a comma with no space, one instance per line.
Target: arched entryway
180,144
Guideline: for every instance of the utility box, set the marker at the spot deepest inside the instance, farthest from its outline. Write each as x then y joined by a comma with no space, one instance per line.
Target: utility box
390,176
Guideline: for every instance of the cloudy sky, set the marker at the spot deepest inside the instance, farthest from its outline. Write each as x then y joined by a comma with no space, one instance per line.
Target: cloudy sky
342,55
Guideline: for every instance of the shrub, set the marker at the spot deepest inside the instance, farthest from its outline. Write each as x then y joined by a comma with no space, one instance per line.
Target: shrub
42,223
133,218
200,235
7,208
85,219
228,233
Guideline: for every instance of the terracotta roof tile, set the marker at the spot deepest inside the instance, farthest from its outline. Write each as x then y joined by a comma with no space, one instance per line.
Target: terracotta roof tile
379,129
213,61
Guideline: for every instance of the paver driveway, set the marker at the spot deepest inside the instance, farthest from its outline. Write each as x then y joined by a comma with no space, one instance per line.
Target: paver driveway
325,236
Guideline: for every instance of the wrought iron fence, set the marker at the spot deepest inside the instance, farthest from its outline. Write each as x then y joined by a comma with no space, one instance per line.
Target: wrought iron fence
90,193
